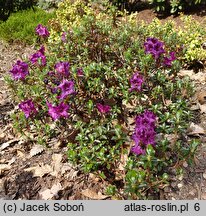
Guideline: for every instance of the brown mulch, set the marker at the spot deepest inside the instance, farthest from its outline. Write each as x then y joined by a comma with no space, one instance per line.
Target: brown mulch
17,182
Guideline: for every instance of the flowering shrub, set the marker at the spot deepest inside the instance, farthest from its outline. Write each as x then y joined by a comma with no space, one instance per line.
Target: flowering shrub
28,108
39,57
42,31
58,111
144,133
19,70
109,91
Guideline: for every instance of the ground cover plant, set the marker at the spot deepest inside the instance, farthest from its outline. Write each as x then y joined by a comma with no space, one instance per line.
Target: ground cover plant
107,86
19,27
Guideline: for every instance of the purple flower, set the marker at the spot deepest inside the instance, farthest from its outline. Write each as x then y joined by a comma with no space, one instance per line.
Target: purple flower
67,88
39,55
137,149
103,108
54,90
136,82
147,118
42,31
62,68
144,133
80,72
19,70
154,46
51,73
64,37
28,108
168,60
58,111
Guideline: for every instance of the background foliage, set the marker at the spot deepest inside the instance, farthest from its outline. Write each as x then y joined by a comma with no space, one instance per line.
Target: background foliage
20,25
10,6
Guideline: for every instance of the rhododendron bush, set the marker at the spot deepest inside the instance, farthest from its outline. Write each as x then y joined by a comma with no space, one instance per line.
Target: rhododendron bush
108,91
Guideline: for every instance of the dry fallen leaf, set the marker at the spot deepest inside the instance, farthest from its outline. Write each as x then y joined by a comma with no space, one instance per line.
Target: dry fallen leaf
20,153
12,161
201,97
6,144
57,165
200,76
40,170
4,167
36,149
195,130
172,138
202,108
93,195
50,193
183,73
65,167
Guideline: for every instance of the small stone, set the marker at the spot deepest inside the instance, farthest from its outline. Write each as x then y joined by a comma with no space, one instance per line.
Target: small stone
192,193
179,185
180,177
185,164
204,175
167,189
173,184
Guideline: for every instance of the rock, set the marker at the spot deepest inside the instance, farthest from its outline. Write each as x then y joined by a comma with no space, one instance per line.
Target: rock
185,164
173,184
180,177
180,185
192,192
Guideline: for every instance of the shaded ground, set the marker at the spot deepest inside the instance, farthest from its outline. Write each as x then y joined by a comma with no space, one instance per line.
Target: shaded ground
31,172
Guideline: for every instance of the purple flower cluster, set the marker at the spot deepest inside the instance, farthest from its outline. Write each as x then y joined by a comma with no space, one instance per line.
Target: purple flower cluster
144,133
80,72
58,111
62,68
67,88
64,86
28,108
39,55
168,60
42,31
136,82
103,108
64,37
19,70
154,46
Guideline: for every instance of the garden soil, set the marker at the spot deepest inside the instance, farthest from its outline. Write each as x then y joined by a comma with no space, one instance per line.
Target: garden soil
30,171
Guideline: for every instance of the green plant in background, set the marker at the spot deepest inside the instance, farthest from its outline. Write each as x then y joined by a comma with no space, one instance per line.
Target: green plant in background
20,25
11,6
109,88
48,4
174,5
187,38
192,35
